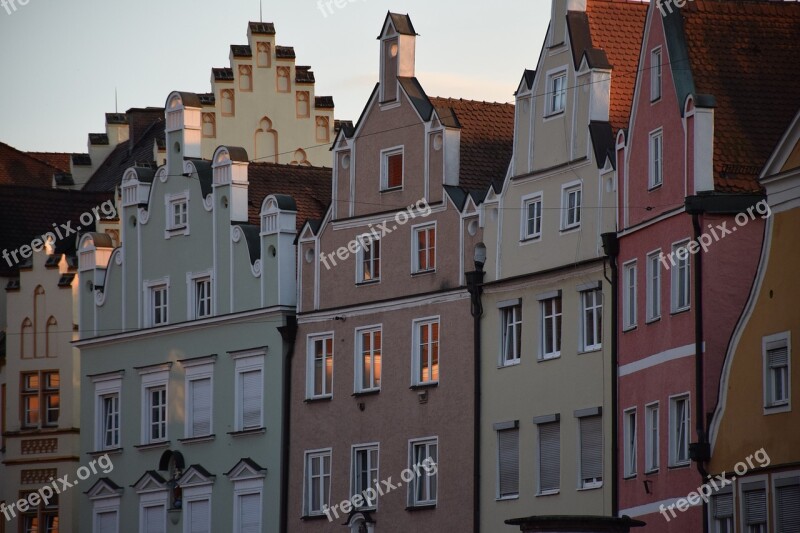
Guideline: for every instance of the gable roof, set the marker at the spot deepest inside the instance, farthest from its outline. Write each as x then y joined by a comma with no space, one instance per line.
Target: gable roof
60,160
29,169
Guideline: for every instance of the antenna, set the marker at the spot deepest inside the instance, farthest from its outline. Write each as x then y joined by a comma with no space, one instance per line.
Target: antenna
116,110
261,10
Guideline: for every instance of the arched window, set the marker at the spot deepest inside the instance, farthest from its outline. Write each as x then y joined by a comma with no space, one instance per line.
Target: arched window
245,78
323,130
26,338
39,323
228,103
209,125
300,158
283,79
302,104
266,142
51,350
263,56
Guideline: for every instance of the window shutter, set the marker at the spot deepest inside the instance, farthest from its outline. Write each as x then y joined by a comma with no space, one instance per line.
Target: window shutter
508,461
591,447
201,407
723,506
199,517
154,519
251,399
250,513
107,522
755,507
395,176
549,456
778,357
788,508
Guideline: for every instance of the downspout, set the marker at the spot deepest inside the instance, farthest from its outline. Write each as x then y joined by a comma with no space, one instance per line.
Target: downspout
288,334
611,248
475,287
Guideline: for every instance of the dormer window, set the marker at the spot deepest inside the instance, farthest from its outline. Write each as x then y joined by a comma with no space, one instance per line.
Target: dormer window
557,85
655,74
392,168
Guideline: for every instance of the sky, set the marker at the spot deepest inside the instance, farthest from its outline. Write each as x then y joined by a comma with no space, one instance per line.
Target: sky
61,61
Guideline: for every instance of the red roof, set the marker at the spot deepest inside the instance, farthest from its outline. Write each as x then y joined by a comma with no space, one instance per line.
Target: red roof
21,168
309,186
60,160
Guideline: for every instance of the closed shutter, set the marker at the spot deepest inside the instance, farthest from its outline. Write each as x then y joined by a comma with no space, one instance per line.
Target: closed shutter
107,522
508,462
723,506
788,506
155,520
778,357
201,407
591,448
199,517
250,513
755,507
251,399
549,456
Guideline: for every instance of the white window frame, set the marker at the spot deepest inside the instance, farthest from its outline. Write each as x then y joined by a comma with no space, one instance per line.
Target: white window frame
366,253
567,190
656,74
385,154
105,505
150,286
653,289
106,386
630,294
510,325
197,370
154,378
245,362
413,444
252,486
307,485
196,494
359,358
652,442
355,488
415,264
713,521
501,428
655,159
149,500
546,421
310,367
528,200
416,362
630,442
675,275
596,308
674,460
556,96
172,201
555,316
192,283
769,343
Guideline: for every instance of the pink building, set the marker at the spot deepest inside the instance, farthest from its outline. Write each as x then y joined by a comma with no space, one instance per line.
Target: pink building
382,378
713,96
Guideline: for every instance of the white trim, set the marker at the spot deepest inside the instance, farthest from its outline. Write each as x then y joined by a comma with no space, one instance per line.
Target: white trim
650,508
247,487
108,387
630,470
196,371
415,268
672,459
427,441
655,462
152,500
655,138
741,482
630,316
386,153
523,231
649,294
550,77
358,368
247,362
308,454
153,380
354,449
192,279
365,242
768,342
566,190
415,355
106,505
658,359
170,201
148,311
311,339
656,90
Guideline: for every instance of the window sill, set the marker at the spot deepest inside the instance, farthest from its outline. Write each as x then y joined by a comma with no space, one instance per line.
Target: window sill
549,493
655,100
542,359
776,409
687,464
368,282
554,114
195,440
507,498
569,229
313,517
593,487
316,399
532,238
653,320
370,392
392,189
423,272
513,363
593,349
679,311
110,451
152,445
427,385
629,328
248,432
651,188
421,507
651,472
630,476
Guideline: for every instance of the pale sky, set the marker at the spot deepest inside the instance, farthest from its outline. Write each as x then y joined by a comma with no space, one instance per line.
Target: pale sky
60,61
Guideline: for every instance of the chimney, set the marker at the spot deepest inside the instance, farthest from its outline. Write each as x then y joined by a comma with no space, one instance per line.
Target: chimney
398,44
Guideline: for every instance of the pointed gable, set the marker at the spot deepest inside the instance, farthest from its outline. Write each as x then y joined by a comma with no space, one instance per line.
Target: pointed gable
104,488
196,475
246,469
151,481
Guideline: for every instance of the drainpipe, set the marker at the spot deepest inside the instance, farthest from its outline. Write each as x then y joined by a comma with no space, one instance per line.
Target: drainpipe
611,248
475,287
288,334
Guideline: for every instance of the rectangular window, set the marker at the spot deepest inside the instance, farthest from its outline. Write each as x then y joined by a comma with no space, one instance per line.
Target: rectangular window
365,473
40,399
655,74
156,413
42,518
392,168
369,259
180,214
558,92
679,430
368,359
629,295
511,331
653,286
110,421
571,207
508,463
549,457
107,394
320,367
425,248
787,503
651,438
681,278
202,297
754,497
250,385
248,510
656,174
592,319
199,412
198,516
426,351
591,455
317,482
551,327
722,513
153,519
423,487
532,218
106,522
630,442
776,370
158,301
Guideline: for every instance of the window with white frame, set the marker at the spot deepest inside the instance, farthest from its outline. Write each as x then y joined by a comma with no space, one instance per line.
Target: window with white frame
571,207
656,173
591,450
198,516
558,92
201,297
157,302
679,430
722,511
507,459
424,247
655,74
364,472
777,365
177,206
681,278
532,217
154,403
248,494
107,391
653,286
629,430
511,333
199,397
319,366
551,326
754,507
317,491
153,512
787,502
105,516
368,265
426,351
629,295
549,454
651,425
591,319
249,390
423,487
392,168
196,490
368,359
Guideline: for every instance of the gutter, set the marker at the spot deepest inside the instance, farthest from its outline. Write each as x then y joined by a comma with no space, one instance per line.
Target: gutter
611,248
288,334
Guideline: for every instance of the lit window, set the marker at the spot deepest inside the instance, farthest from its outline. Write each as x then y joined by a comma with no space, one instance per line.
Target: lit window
41,401
426,351
320,367
424,248
42,518
392,168
368,360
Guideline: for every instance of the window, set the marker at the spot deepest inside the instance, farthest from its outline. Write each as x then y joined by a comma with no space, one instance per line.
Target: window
571,207
249,390
199,397
423,487
108,389
369,259
180,214
551,327
392,168
776,371
156,414
511,332
42,518
508,461
424,248
630,442
680,278
153,512
656,174
558,92
177,213
110,415
754,498
368,359
106,521
549,456
320,367
248,513
158,302
629,295
202,297
198,516
532,217
722,511
365,474
284,85
40,399
651,437
787,503
653,286
655,74
679,430
592,319
591,455
317,482
302,104
426,351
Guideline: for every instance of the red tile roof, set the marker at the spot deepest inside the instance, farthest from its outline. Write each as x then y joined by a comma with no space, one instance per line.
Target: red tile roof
60,160
309,186
21,168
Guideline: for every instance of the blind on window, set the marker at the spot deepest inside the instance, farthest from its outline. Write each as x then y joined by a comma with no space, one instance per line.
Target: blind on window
549,456
508,461
591,447
251,399
201,407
